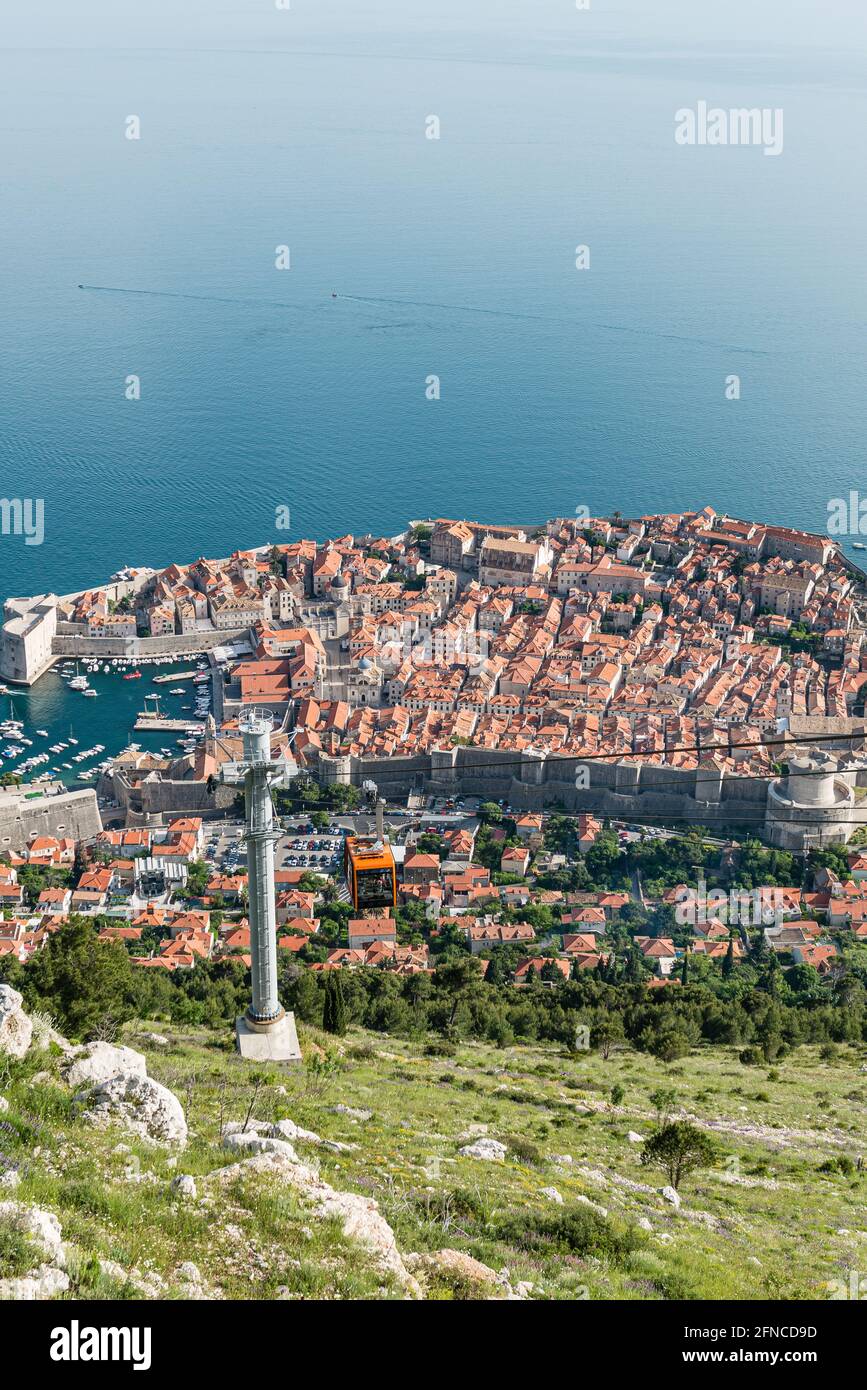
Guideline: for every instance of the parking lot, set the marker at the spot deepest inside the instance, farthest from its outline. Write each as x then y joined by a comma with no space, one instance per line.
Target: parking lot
305,848
224,846
300,846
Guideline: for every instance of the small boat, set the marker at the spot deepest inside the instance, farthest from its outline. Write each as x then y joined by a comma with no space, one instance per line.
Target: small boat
133,676
91,693
43,733
858,545
333,293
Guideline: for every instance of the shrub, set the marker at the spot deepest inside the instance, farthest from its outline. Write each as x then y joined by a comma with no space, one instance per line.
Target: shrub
441,1047
524,1150
17,1254
570,1231
840,1163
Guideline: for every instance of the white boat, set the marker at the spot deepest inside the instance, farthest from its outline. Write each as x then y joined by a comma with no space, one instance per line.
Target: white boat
43,733
92,693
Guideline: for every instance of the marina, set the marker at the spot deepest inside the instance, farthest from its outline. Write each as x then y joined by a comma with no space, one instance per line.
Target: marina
79,716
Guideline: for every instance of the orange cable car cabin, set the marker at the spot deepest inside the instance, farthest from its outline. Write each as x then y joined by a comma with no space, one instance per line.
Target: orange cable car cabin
371,876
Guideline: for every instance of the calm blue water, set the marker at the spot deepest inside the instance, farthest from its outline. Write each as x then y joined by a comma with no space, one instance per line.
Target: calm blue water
455,258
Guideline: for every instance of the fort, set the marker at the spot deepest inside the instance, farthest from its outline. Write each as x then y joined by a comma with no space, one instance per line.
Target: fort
53,811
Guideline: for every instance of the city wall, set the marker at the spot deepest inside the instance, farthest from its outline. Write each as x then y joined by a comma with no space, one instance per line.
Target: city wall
73,814
71,641
530,781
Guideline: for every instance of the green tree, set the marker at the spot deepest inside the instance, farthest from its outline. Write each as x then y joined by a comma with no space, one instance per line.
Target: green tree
83,981
334,1011
678,1148
198,874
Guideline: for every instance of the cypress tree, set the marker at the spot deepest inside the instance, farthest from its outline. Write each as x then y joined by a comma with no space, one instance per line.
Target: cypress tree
334,1013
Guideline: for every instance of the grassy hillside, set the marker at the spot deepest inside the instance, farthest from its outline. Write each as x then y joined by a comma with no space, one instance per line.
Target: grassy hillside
766,1221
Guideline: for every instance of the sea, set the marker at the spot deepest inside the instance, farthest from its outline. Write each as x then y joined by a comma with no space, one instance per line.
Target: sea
423,175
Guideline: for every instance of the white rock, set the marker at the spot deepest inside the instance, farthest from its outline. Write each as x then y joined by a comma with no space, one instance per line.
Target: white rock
156,1039
4,1105
553,1195
562,1160
110,1269
45,1282
44,1034
287,1129
670,1194
248,1142
41,1226
644,1224
586,1202
473,1131
252,1126
189,1273
634,1138
16,1030
489,1149
352,1112
100,1061
455,1267
360,1216
184,1185
140,1103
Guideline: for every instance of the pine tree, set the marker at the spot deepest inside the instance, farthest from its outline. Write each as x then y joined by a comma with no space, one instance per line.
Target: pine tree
729,962
684,969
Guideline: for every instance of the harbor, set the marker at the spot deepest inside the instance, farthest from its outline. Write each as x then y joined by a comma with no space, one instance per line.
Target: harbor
80,715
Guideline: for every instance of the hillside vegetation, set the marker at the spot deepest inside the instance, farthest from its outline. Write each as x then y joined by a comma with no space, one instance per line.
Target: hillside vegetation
568,1212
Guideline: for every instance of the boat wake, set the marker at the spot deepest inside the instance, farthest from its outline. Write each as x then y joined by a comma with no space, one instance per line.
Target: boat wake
555,320
552,319
177,294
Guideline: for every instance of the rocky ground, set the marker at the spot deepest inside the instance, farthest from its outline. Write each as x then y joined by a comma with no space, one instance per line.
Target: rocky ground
162,1166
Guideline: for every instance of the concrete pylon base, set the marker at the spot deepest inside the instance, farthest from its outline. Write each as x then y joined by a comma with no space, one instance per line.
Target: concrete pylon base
273,1042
